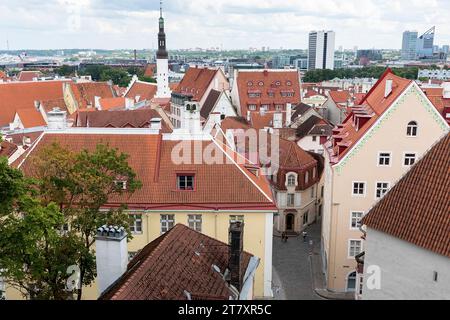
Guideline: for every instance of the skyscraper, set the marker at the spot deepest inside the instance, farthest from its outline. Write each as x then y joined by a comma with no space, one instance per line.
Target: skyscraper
409,46
321,50
425,44
162,61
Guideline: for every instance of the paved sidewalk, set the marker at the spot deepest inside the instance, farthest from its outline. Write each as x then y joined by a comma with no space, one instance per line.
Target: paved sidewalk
292,269
319,283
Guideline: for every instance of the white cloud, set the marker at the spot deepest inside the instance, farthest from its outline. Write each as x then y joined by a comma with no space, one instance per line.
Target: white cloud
205,23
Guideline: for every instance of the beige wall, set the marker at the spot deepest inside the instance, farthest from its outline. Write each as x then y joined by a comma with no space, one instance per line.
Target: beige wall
389,136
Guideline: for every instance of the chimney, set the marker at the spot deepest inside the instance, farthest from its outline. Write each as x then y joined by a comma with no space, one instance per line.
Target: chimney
277,120
37,104
388,88
129,104
156,124
97,104
191,118
111,255
288,114
236,248
57,119
446,92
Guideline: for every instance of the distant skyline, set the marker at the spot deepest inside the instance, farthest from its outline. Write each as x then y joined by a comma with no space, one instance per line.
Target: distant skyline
227,24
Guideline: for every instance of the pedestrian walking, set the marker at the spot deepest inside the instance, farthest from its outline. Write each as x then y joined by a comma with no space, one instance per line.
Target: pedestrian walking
304,234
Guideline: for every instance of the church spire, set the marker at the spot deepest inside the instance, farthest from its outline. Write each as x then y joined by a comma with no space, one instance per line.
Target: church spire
162,51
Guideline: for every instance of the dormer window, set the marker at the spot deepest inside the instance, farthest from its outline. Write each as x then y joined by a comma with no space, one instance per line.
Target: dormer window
185,182
261,83
121,184
288,83
249,84
291,180
412,129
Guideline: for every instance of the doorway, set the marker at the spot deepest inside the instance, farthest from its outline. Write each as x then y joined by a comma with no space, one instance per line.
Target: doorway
290,222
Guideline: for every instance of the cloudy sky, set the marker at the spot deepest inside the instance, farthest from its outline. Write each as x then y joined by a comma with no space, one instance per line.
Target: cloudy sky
114,24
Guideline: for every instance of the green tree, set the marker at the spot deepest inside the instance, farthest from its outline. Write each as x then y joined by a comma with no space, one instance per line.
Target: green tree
117,76
81,184
65,71
34,253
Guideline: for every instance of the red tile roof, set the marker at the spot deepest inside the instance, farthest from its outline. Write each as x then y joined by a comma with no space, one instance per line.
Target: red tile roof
170,265
151,159
145,91
292,156
195,82
267,82
86,92
436,96
119,119
373,106
417,207
112,103
31,118
7,149
28,75
150,70
311,93
22,95
340,96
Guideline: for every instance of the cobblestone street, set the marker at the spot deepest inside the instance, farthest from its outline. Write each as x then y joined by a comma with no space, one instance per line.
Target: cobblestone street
292,268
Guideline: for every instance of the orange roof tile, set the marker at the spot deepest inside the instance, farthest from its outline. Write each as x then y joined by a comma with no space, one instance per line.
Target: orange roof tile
150,70
143,90
22,95
151,159
267,82
86,92
28,75
195,82
31,118
340,96
112,103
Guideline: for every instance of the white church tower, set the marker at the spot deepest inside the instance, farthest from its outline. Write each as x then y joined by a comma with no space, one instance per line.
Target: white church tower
162,62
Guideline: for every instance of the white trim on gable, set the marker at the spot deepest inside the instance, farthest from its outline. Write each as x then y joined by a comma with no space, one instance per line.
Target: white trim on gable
412,85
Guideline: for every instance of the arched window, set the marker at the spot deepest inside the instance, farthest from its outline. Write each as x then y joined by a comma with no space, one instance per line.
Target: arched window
412,129
306,177
351,282
291,180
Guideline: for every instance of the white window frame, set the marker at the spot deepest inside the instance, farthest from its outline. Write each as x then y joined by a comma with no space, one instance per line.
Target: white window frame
133,228
166,221
408,127
237,218
287,179
351,219
123,182
196,220
305,214
357,194
349,248
404,159
376,189
379,158
288,204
